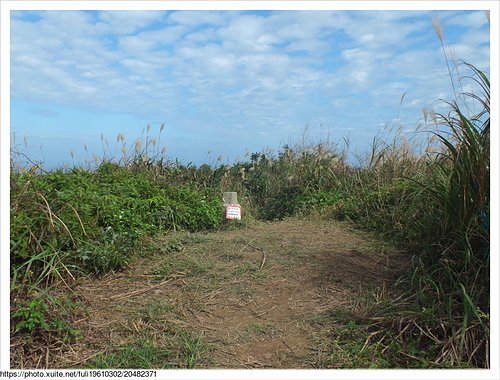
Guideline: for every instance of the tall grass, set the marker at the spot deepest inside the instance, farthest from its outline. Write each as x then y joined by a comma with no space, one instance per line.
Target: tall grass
454,268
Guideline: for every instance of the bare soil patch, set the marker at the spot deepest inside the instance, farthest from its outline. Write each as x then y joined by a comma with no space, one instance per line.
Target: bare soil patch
245,298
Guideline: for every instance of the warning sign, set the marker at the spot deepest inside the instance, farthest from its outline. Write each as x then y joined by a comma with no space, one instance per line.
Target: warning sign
233,212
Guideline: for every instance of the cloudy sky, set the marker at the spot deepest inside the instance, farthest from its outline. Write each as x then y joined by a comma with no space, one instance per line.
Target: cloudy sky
227,81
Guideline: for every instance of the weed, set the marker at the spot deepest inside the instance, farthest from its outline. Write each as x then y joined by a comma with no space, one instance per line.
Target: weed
64,330
258,330
183,264
141,354
192,346
31,316
155,310
172,246
246,268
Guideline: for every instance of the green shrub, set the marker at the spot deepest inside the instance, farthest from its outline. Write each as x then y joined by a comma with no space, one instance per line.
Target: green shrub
94,220
31,316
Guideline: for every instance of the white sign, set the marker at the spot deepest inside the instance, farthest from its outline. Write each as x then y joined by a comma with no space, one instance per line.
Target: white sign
233,212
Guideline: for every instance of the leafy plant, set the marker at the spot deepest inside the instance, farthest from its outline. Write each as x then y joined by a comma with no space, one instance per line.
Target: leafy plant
31,316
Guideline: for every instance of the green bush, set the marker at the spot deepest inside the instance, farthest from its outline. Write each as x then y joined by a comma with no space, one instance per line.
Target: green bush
94,220
33,317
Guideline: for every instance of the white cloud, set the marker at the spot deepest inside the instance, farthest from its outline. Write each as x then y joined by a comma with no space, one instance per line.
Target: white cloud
196,18
474,20
233,68
145,41
126,22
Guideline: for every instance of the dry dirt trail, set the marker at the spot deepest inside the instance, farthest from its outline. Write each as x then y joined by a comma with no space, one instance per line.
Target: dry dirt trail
246,298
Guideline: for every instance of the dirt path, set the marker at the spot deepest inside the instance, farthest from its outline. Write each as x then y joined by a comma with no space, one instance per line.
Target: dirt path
248,298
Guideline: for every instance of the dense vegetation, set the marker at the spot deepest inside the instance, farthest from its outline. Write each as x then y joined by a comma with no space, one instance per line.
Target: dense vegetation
431,200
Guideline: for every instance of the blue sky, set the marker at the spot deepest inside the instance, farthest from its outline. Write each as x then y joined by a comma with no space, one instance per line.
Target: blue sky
227,82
